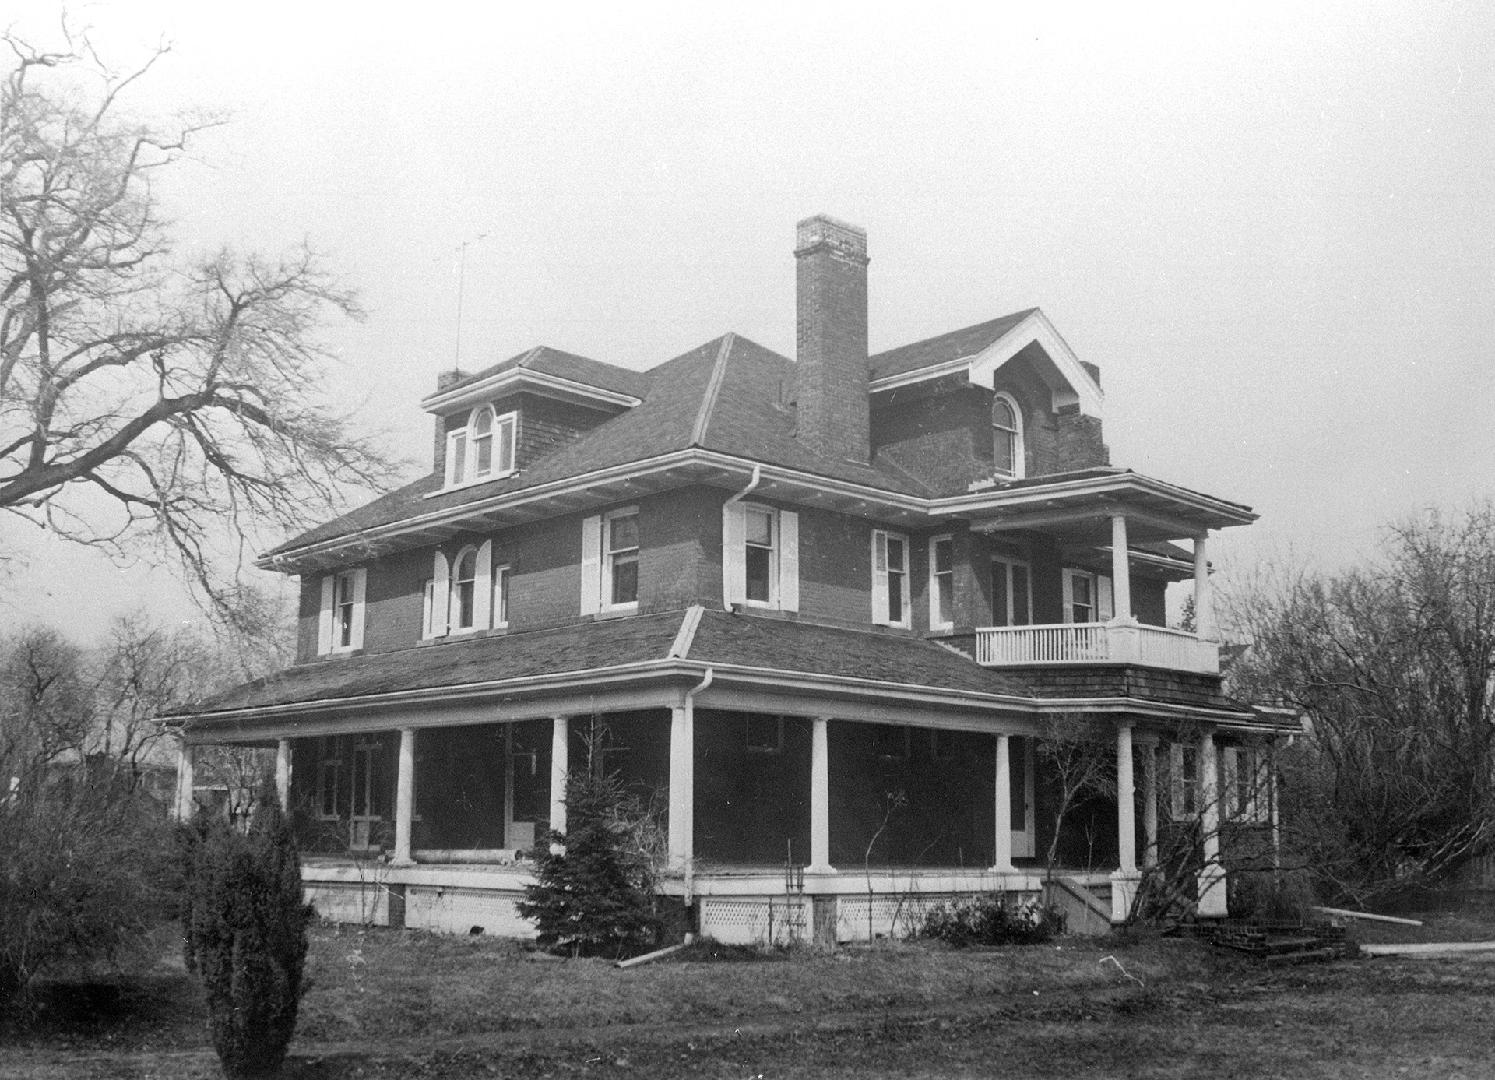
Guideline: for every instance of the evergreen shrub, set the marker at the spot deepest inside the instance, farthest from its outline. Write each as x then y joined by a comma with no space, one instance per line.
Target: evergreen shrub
245,926
595,894
993,920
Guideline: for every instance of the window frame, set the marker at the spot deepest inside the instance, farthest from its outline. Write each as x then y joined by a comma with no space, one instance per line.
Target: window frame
1102,596
328,756
1013,435
1185,781
454,622
774,548
882,603
502,576
1009,565
935,574
462,451
608,561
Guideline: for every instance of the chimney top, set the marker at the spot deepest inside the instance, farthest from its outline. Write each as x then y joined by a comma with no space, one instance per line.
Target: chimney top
822,230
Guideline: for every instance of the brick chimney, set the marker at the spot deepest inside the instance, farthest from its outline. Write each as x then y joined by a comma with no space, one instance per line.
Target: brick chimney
831,376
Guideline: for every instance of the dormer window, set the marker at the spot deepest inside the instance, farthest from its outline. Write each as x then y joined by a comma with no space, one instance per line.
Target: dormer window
483,449
1007,437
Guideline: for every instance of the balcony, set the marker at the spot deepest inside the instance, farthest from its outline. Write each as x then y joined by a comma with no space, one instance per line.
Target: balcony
1096,643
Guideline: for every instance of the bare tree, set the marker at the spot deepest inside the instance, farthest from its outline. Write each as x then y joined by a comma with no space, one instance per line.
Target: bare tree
148,400
1391,663
1079,762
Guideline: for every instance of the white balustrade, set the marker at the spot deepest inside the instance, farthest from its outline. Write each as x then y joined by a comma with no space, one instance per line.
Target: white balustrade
1091,643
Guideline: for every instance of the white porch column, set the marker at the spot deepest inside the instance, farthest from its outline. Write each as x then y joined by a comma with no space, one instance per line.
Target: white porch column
185,761
1121,571
283,774
682,785
1002,863
1126,804
1212,875
820,798
1150,805
1124,880
1204,604
404,798
560,765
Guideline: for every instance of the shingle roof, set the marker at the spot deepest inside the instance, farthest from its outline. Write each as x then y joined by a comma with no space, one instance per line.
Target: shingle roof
565,365
723,395
938,350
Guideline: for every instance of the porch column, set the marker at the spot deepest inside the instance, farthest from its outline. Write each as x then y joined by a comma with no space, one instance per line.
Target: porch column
404,798
283,774
185,761
1124,881
1212,874
682,785
1150,805
1204,604
560,765
1121,571
1002,864
820,798
1271,793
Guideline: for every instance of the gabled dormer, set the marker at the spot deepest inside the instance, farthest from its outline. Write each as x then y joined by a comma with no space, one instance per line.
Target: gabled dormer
494,423
997,402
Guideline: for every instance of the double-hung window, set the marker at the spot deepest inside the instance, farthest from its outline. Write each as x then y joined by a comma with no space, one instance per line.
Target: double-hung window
610,562
340,625
942,583
1007,437
1011,593
889,578
1087,597
760,556
458,597
483,449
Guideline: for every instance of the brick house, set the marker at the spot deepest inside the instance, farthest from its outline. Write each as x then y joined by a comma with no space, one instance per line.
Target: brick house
822,611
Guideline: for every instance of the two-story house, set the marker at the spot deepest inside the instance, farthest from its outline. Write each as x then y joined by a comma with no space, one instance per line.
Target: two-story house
820,610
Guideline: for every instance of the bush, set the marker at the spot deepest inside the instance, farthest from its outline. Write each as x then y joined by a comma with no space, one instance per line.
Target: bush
1270,896
85,874
246,936
594,895
993,920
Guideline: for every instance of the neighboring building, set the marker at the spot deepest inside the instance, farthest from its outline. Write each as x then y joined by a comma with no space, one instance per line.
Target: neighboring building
820,608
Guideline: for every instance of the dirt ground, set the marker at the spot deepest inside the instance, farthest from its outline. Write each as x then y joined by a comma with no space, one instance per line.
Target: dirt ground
386,1004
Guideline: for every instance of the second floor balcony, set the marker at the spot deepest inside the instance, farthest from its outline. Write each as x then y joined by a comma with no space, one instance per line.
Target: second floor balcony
1097,643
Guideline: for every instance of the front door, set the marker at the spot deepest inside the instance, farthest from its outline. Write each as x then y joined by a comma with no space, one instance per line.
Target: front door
364,815
1020,762
526,791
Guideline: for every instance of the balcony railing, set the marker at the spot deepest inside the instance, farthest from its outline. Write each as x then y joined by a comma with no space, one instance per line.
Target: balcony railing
1096,643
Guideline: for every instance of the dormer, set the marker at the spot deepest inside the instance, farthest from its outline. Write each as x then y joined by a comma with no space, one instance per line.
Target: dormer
494,423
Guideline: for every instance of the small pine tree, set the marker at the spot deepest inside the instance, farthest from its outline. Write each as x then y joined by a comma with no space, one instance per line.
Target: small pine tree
594,894
246,936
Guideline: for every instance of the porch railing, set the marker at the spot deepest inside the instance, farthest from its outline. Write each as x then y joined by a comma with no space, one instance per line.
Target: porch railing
1096,643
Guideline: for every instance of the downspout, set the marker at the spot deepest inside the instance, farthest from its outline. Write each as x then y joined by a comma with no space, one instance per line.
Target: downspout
689,705
732,501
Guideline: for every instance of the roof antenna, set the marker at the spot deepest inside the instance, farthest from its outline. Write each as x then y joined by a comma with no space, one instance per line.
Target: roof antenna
461,285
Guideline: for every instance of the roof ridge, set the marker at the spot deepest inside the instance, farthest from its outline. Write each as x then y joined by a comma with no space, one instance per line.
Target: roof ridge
529,357
687,635
713,390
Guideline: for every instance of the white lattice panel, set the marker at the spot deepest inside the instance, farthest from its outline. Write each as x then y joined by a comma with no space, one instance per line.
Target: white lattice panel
861,918
455,910
365,902
767,921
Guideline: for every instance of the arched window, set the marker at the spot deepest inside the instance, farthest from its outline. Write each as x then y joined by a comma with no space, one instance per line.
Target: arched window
480,433
1007,436
464,590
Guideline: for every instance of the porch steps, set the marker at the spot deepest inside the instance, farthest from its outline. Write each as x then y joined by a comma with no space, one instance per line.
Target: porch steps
1085,911
1284,943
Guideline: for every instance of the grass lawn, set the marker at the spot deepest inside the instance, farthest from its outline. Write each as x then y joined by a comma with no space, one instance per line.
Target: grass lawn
389,1004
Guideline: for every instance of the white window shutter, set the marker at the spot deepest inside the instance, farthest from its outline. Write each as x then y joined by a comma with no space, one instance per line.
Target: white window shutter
734,554
591,565
1105,602
1068,577
879,576
788,561
360,593
482,588
441,592
324,617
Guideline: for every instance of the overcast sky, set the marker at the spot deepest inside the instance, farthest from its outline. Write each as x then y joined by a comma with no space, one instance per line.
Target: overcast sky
1273,228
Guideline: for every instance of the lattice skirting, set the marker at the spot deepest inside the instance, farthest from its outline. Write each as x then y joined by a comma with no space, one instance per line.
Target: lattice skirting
768,921
456,910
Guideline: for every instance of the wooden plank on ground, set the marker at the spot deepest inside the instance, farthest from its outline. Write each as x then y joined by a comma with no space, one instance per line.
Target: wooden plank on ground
1429,948
1367,916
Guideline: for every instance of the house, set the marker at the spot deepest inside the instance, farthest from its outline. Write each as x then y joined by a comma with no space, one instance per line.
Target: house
821,610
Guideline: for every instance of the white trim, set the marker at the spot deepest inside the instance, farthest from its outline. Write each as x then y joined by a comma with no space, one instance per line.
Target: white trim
1019,438
504,438
605,602
1123,482
482,590
454,625
591,564
324,616
434,624
449,401
788,560
935,622
502,584
882,569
